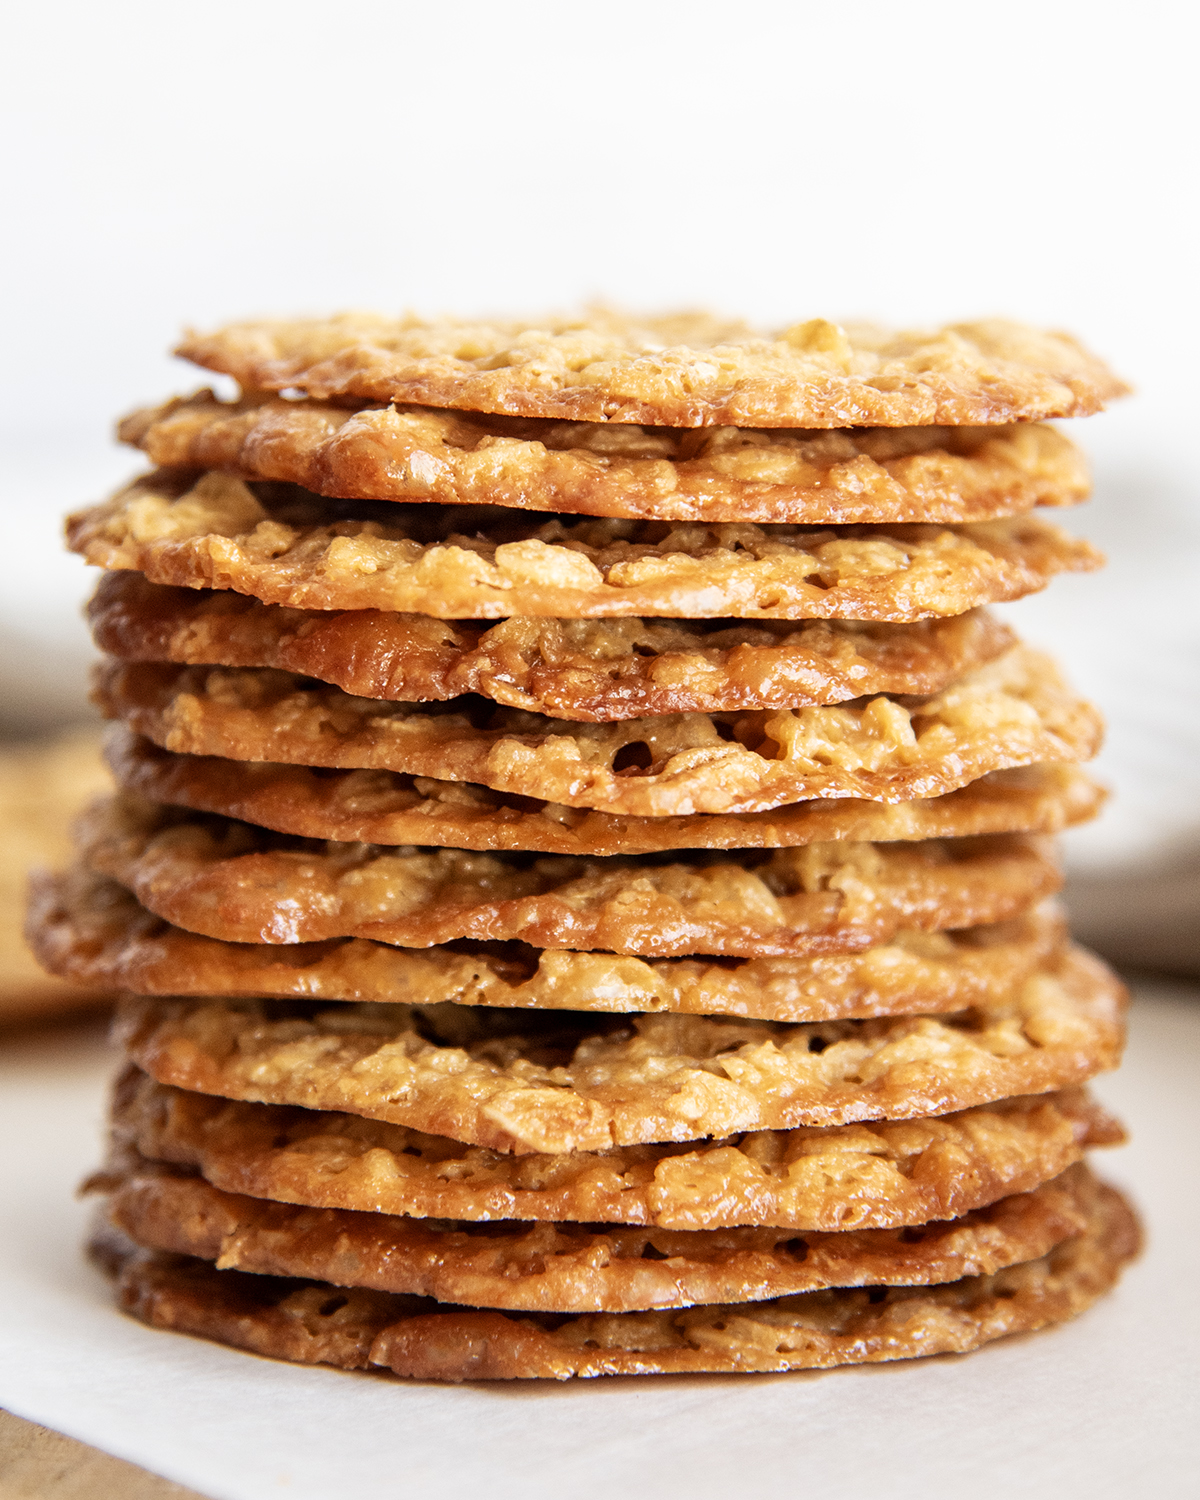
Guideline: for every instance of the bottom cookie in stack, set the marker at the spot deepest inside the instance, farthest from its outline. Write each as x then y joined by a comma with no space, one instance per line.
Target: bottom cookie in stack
336,1239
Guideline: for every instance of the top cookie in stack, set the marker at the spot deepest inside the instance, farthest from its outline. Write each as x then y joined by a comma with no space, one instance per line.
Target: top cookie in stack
744,679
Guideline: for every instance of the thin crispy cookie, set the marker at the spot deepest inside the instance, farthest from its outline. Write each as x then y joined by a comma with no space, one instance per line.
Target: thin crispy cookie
884,1174
527,1081
315,1323
573,669
659,474
1014,711
577,1269
285,546
682,370
241,883
383,807
41,787
85,927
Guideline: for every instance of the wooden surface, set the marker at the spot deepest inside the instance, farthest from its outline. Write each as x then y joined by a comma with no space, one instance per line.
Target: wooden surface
37,1464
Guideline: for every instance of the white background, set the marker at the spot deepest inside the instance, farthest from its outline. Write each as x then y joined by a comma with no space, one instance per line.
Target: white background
178,163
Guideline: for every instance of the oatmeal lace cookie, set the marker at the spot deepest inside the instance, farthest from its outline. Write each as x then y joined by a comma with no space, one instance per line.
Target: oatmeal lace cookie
90,929
285,546
606,469
594,670
681,370
882,1174
317,1323
386,807
244,884
41,786
525,1081
1014,711
572,1268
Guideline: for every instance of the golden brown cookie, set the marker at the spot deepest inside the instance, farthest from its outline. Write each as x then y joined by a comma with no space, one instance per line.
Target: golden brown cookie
529,1081
89,928
244,884
285,546
882,1174
651,473
42,785
573,669
679,370
384,807
316,1323
1014,711
571,1268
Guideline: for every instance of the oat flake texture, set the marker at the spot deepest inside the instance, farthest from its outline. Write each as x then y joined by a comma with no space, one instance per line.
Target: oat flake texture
386,807
285,546
300,1321
711,474
243,884
877,1174
593,670
1014,711
563,1082
92,930
580,1269
686,370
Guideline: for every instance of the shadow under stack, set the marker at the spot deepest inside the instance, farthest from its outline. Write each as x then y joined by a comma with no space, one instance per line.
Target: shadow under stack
582,875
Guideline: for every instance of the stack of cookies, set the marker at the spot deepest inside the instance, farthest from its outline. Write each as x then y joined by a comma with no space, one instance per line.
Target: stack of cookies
582,871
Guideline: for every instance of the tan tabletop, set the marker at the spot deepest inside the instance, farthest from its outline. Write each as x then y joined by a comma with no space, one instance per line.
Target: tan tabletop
37,1464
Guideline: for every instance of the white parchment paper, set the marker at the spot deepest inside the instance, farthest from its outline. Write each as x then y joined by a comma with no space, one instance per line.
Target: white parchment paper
1105,1406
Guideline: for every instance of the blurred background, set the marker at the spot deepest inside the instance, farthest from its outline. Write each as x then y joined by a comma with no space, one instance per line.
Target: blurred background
172,165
